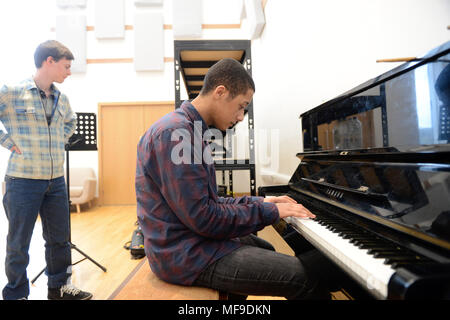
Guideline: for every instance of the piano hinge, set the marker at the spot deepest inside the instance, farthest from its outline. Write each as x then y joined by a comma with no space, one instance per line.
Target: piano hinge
335,193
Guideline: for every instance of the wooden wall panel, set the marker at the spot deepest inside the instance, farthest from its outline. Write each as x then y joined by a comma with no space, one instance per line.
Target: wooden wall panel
121,125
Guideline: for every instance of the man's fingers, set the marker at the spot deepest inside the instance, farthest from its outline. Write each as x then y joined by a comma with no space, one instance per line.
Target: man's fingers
16,150
295,210
305,214
288,199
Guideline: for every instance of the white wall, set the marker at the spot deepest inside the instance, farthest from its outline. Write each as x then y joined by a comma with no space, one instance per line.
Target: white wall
309,52
312,51
22,30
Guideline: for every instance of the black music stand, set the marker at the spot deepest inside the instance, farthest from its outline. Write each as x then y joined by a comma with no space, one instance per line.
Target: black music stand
83,139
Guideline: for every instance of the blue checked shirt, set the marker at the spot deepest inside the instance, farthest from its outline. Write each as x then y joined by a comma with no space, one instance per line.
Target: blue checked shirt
42,145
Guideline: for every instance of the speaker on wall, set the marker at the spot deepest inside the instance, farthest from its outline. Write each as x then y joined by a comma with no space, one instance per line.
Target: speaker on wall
109,19
71,31
187,18
65,4
255,17
148,41
148,3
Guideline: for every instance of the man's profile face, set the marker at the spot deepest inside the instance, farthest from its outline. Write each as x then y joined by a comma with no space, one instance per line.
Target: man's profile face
231,110
60,69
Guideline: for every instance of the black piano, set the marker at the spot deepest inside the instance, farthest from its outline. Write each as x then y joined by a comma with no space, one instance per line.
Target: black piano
375,170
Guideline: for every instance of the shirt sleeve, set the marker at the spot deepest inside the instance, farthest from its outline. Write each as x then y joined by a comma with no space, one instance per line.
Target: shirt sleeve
5,139
70,121
243,199
186,189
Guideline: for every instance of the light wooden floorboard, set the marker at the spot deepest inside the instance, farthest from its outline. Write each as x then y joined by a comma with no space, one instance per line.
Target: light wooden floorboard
101,232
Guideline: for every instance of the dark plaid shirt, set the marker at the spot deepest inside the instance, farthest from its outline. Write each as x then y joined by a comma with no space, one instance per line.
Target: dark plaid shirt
186,225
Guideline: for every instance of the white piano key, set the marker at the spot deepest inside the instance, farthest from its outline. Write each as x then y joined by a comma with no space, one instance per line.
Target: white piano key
363,267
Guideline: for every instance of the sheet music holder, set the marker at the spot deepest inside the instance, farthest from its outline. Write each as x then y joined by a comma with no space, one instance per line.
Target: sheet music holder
83,139
85,136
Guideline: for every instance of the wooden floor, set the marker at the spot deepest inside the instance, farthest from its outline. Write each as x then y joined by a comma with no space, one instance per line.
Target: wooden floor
101,232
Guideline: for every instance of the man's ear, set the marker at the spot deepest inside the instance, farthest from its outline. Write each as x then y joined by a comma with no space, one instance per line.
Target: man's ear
50,59
220,91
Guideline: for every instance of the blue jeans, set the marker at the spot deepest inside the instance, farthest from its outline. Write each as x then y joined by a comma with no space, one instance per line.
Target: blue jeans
23,201
256,269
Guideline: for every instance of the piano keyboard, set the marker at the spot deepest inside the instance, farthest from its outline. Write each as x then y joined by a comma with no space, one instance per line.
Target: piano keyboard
357,262
368,259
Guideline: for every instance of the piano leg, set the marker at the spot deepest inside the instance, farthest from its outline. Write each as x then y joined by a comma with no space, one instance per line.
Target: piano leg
298,244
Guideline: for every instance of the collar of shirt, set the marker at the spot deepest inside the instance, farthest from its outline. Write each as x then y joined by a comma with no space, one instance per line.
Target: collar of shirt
30,84
193,114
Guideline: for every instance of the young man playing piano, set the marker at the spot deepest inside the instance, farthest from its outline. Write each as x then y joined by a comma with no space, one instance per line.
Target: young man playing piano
193,236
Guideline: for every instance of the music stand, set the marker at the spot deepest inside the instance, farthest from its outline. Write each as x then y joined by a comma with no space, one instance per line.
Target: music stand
83,139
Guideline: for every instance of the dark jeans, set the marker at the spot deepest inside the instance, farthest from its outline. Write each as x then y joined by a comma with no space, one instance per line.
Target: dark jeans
23,200
256,269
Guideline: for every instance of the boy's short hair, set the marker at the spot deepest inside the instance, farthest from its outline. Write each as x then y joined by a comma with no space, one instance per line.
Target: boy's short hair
229,73
51,48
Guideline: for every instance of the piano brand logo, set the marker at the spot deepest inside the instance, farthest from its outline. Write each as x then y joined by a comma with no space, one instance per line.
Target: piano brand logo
211,145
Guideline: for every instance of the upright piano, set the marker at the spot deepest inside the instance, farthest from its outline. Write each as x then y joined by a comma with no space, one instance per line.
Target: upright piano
375,170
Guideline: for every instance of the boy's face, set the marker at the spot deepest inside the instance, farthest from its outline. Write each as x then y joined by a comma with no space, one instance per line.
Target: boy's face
60,69
229,110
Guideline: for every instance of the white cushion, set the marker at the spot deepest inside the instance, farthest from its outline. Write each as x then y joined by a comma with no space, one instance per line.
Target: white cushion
76,191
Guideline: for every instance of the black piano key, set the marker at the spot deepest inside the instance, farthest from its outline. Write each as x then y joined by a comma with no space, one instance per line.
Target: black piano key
399,264
346,235
396,255
379,248
350,235
379,252
363,236
349,230
405,260
367,245
363,240
384,248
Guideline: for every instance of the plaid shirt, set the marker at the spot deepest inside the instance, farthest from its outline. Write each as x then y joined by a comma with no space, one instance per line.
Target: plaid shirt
186,226
41,145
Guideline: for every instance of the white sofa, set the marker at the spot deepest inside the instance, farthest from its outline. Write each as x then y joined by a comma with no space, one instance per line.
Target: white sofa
83,184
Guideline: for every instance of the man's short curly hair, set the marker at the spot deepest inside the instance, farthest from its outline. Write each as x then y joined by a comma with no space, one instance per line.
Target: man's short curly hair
229,73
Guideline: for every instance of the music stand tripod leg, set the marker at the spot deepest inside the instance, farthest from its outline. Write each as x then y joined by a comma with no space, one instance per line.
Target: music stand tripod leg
87,257
69,203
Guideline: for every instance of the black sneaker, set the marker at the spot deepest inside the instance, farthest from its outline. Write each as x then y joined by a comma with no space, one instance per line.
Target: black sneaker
68,292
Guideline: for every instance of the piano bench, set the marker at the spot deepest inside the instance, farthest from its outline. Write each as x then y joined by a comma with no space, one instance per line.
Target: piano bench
143,284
